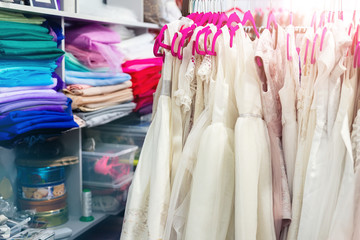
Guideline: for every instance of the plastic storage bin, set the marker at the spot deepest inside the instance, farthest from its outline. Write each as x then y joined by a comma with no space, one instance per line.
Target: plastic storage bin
121,133
108,164
109,198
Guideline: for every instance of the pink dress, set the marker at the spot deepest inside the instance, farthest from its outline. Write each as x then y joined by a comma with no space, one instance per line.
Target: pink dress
272,76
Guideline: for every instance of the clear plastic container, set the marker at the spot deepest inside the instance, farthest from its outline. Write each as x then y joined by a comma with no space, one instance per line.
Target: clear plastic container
121,133
110,198
108,164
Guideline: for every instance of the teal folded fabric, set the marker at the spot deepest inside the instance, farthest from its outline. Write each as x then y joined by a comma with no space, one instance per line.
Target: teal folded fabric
13,64
13,34
33,45
72,64
4,26
31,54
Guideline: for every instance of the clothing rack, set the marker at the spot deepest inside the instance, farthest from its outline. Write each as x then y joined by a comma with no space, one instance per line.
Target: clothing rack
250,29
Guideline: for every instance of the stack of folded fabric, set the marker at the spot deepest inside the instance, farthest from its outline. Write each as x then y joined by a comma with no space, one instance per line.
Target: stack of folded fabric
30,105
95,82
145,75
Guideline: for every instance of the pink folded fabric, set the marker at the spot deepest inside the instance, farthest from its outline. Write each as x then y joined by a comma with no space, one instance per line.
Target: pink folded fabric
141,64
98,38
90,59
74,87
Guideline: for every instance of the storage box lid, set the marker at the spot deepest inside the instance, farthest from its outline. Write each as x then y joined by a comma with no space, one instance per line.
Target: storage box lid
110,150
114,185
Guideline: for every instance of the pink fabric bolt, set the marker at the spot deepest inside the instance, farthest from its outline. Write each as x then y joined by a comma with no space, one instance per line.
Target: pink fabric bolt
95,37
89,58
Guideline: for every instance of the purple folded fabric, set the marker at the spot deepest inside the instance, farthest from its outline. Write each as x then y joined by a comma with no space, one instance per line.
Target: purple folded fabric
52,33
53,108
145,110
23,105
60,84
29,95
95,37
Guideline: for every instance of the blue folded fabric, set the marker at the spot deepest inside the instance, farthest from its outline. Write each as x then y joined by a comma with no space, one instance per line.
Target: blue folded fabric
4,64
23,78
15,131
20,122
24,116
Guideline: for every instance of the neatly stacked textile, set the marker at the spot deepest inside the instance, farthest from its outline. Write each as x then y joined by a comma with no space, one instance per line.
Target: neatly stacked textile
145,75
30,106
95,82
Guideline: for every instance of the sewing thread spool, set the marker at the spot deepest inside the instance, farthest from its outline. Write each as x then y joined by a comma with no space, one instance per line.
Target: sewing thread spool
86,206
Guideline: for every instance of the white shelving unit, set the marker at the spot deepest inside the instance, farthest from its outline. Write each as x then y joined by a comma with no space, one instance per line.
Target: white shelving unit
70,139
67,16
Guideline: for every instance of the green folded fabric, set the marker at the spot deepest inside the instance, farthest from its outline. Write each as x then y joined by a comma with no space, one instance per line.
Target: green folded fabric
20,18
71,63
27,45
6,25
13,34
31,54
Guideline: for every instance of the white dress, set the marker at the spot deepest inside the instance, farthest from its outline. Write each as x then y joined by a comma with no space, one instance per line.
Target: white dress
212,192
355,138
342,177
180,194
306,125
149,193
253,188
327,152
288,103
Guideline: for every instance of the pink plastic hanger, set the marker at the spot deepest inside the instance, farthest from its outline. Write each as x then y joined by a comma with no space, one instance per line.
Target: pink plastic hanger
271,20
223,19
215,18
233,9
217,34
233,18
322,38
350,27
329,16
313,22
322,19
289,58
341,15
186,33
313,50
204,19
207,33
192,16
202,31
355,39
249,17
158,43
